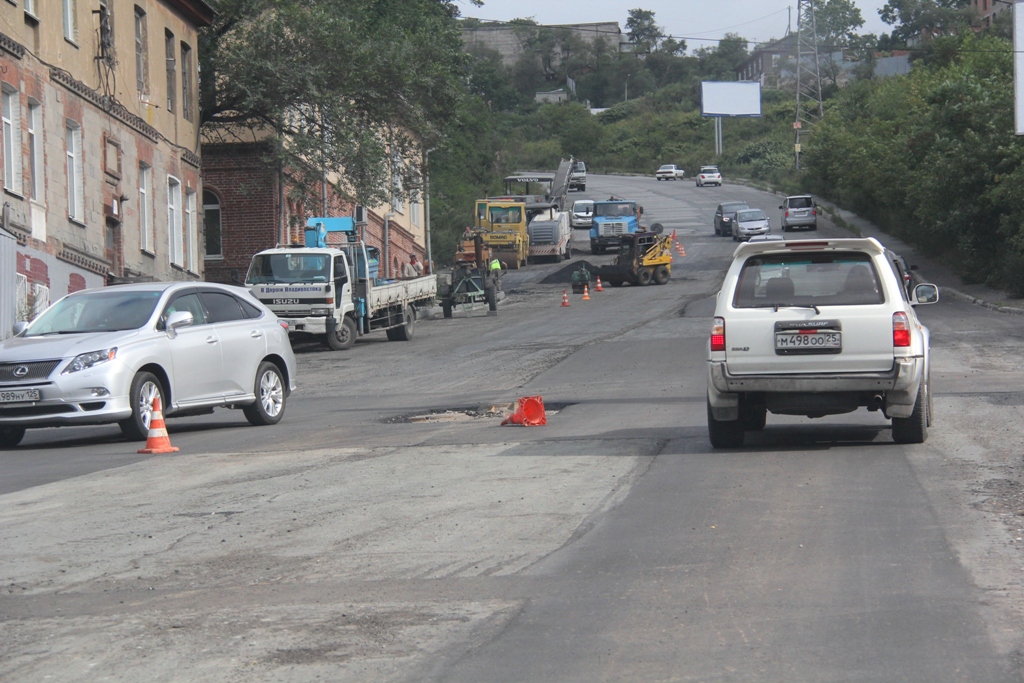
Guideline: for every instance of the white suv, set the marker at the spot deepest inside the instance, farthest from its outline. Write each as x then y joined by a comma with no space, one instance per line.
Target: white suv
817,328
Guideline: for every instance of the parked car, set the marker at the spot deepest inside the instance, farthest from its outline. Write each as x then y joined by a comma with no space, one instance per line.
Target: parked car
799,211
709,175
750,222
101,356
669,172
724,216
817,328
582,214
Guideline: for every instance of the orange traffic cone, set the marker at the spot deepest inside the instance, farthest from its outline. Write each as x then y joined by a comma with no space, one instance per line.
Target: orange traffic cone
565,298
682,252
529,413
157,440
599,288
586,293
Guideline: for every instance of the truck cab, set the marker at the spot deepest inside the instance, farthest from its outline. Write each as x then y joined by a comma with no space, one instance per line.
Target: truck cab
578,176
612,219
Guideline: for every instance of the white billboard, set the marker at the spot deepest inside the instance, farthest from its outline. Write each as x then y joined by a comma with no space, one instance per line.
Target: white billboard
730,98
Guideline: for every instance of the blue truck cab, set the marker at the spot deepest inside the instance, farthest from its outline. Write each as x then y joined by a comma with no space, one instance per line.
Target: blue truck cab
612,219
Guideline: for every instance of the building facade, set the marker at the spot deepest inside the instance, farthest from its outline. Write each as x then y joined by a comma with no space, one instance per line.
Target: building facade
987,9
101,168
248,207
506,39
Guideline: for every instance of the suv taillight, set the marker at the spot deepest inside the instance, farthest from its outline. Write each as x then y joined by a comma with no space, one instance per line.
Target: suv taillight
718,335
900,329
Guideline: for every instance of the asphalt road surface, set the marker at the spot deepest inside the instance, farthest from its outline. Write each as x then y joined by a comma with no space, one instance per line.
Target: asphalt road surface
390,529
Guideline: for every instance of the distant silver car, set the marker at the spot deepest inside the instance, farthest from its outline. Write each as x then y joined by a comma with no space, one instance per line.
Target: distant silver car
102,356
748,223
799,211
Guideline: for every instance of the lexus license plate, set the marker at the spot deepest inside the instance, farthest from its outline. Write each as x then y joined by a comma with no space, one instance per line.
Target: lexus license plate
813,339
19,395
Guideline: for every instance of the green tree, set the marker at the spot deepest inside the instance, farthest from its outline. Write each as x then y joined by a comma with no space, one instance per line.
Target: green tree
927,18
642,30
334,86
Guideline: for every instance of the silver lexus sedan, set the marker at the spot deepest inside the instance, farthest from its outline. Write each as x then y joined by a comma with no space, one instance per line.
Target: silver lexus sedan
101,356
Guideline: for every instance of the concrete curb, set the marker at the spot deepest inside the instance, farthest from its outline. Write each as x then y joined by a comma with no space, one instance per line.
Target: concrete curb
963,296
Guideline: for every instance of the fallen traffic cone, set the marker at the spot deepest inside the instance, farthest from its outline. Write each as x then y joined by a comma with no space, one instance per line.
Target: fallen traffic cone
599,288
565,298
529,413
157,440
586,293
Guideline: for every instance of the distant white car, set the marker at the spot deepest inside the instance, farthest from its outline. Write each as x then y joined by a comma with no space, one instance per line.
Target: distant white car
582,214
709,175
669,172
816,328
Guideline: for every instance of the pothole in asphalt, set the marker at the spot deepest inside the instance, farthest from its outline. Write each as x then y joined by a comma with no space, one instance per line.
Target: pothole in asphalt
494,411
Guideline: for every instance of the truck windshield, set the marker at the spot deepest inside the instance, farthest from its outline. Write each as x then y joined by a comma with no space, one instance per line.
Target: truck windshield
609,209
271,268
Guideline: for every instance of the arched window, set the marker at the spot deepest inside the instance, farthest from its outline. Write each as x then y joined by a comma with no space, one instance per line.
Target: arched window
212,225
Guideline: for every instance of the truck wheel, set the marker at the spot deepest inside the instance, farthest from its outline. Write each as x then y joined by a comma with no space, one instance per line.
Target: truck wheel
644,276
344,335
583,188
404,331
446,308
568,253
724,434
913,429
661,275
11,437
268,408
492,299
145,387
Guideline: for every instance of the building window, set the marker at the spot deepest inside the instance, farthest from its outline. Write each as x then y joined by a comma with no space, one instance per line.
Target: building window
76,176
414,212
30,7
186,82
146,237
172,84
12,139
141,61
174,221
191,231
211,225
35,150
70,21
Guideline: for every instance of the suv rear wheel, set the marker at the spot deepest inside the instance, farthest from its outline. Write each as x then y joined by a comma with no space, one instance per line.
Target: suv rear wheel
913,429
724,433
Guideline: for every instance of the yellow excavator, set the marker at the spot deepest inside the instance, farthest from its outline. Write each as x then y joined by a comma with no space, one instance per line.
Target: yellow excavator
644,257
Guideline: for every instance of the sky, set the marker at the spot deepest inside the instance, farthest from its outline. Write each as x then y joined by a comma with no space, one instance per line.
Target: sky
700,22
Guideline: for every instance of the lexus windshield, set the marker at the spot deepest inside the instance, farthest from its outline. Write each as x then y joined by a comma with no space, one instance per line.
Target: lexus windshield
101,311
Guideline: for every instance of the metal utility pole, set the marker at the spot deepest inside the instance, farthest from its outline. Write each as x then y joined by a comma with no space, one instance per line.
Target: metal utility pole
808,74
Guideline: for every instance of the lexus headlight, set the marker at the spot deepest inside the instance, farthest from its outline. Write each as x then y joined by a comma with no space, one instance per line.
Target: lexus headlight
85,361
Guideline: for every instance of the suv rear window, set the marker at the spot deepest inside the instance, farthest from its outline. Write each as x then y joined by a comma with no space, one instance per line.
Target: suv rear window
802,279
800,202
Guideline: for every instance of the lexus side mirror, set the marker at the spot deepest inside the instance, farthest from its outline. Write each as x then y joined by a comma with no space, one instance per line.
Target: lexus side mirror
177,320
19,327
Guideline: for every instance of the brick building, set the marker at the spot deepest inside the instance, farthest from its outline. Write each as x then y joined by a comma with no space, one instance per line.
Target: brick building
987,9
101,172
247,209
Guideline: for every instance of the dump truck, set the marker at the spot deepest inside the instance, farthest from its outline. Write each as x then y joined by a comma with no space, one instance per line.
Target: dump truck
471,279
332,289
644,257
612,219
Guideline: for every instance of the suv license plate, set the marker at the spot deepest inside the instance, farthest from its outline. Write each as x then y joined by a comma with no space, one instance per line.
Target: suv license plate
19,396
809,340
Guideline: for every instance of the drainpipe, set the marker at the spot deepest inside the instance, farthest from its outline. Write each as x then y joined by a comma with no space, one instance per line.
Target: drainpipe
387,244
426,204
